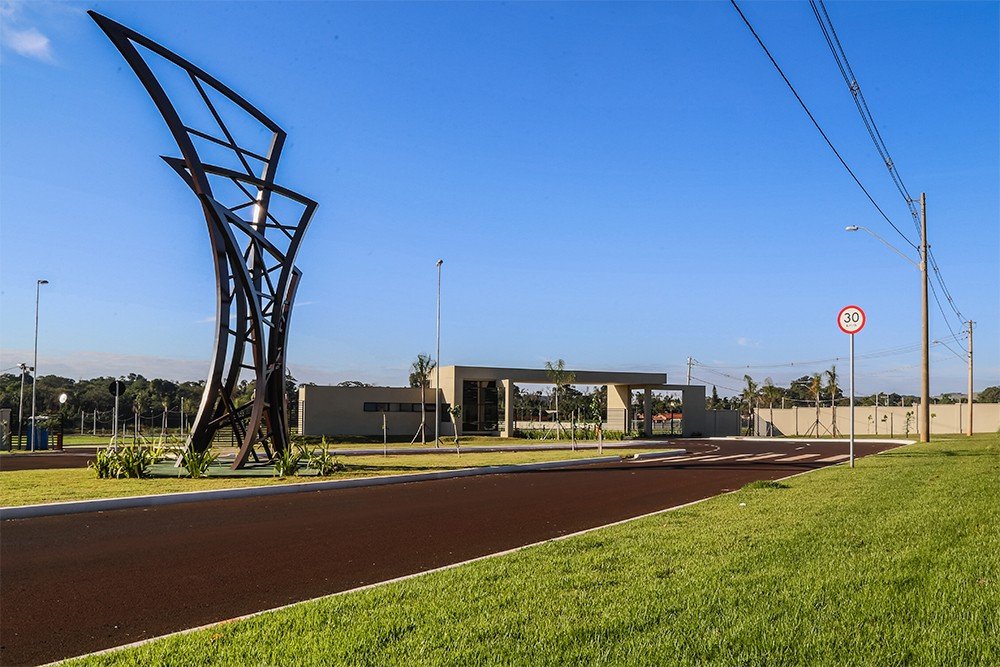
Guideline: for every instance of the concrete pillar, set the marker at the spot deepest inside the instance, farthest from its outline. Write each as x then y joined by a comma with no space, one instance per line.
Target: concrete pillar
508,408
619,406
693,398
647,412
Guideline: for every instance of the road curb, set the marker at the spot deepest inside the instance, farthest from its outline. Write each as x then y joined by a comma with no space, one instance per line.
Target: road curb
158,500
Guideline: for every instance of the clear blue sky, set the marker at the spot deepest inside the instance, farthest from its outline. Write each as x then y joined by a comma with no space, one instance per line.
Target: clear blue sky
620,185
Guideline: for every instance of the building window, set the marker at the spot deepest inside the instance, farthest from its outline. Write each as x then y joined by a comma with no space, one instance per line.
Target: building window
377,407
480,399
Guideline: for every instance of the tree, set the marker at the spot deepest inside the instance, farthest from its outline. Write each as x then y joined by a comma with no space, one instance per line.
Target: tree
988,395
831,385
816,388
750,395
559,376
713,402
420,374
770,394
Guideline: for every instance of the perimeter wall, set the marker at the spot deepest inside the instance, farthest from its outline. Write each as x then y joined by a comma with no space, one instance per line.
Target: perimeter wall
871,420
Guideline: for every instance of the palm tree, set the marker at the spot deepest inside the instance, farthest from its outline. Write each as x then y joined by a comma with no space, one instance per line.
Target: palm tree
831,385
816,387
559,376
771,394
420,373
750,395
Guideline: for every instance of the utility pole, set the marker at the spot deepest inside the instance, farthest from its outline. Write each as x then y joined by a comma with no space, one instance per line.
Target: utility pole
925,380
437,365
968,428
690,361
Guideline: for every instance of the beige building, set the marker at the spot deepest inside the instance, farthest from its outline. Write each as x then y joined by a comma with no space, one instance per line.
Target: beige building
486,395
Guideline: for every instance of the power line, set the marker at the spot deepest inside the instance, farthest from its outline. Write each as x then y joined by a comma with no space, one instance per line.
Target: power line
818,127
875,354
840,57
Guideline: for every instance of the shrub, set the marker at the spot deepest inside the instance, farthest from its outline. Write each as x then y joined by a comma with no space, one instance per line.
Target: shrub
286,463
197,463
105,465
128,461
323,462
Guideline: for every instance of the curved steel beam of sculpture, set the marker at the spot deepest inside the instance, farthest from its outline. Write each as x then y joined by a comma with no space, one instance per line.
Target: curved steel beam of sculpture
243,278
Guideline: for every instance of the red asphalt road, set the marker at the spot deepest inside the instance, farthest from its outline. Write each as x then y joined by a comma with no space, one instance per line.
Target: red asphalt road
79,583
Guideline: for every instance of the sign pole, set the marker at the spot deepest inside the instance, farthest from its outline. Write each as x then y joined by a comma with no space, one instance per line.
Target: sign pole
851,320
852,400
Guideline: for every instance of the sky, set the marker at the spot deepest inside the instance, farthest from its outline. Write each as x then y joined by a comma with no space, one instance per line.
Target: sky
620,185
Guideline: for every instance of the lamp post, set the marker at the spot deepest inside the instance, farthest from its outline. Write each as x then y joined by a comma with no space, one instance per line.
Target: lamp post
34,380
20,402
925,381
62,402
437,365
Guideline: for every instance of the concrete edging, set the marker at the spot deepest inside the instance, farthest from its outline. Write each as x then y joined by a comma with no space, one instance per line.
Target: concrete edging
156,500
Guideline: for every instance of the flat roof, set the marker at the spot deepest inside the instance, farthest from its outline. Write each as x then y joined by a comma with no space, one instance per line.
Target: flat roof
541,376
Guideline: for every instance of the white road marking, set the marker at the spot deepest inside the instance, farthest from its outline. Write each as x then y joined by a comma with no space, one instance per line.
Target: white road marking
761,457
797,458
834,459
723,458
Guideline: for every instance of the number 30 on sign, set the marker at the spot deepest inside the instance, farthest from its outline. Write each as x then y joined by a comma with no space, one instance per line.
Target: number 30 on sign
851,319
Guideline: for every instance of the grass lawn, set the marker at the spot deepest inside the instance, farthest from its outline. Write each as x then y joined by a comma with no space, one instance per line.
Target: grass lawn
896,562
28,487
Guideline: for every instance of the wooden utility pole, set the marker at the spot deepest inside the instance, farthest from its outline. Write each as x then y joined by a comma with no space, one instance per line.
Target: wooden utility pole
924,422
968,428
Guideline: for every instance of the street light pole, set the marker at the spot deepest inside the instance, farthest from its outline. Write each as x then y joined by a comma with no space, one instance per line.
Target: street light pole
34,380
925,380
437,365
20,403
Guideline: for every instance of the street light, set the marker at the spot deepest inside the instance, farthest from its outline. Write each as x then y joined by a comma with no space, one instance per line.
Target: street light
20,402
62,402
34,380
925,381
437,366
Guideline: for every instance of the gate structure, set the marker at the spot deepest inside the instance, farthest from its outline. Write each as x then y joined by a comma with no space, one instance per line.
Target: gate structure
255,227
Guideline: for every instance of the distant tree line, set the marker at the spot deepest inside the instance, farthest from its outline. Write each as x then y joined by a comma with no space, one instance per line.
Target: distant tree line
149,398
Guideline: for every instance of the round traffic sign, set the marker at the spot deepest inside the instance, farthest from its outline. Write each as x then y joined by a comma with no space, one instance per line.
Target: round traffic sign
116,388
851,319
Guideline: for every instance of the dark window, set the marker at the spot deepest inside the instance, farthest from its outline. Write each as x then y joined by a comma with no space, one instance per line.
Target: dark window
371,407
445,414
406,407
480,399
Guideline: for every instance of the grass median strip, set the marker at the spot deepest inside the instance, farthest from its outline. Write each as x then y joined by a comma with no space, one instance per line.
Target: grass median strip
29,487
894,562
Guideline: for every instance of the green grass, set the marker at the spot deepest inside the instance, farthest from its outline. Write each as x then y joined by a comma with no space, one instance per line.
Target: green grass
896,562
28,487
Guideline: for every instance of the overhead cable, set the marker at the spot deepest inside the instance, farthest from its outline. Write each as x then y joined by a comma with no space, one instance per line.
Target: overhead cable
819,128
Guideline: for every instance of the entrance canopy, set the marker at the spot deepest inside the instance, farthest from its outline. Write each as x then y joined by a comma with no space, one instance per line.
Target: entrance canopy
476,389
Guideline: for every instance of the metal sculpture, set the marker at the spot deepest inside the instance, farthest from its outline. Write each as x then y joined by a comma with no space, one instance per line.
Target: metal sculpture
254,251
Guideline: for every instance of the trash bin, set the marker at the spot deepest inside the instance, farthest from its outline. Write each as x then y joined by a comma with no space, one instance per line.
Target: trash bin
41,438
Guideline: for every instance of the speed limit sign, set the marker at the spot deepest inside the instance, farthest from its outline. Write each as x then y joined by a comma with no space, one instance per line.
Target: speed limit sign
851,319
